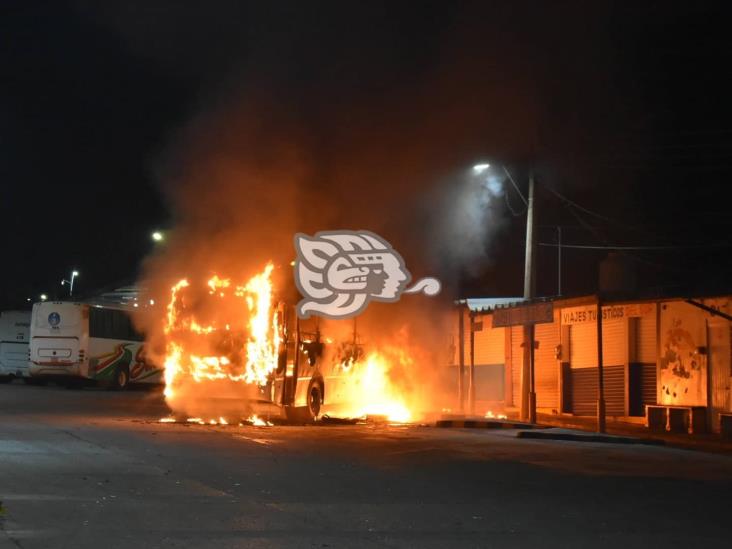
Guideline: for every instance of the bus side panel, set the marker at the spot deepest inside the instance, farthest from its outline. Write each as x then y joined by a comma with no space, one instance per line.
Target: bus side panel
107,355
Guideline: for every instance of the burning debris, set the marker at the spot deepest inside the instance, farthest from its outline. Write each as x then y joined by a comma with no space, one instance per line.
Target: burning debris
254,420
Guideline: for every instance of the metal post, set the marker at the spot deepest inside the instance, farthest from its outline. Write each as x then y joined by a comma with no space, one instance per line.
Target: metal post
532,376
526,374
600,381
461,359
559,260
528,396
471,373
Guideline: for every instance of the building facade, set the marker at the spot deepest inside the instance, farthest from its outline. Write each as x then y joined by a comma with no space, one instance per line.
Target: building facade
674,352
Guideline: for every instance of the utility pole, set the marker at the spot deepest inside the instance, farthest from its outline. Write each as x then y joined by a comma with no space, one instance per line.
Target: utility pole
600,381
528,392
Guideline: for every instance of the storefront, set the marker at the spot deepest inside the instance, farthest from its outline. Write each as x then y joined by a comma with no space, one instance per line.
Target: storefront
664,352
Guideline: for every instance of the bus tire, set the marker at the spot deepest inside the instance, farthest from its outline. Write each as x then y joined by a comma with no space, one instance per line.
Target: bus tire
121,378
315,399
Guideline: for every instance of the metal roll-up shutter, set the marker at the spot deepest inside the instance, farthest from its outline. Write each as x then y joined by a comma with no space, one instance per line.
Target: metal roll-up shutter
584,391
614,390
613,342
517,338
546,366
649,393
646,343
583,345
614,354
489,343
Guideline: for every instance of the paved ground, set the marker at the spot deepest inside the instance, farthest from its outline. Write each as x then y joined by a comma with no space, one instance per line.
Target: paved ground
93,468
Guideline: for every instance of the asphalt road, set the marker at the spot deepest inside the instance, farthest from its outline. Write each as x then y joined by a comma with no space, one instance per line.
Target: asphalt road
91,468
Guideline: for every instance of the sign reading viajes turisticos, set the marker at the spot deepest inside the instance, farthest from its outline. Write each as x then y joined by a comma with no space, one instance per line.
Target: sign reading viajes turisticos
338,273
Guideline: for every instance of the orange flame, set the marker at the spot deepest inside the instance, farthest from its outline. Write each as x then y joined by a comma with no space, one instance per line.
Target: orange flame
258,354
369,389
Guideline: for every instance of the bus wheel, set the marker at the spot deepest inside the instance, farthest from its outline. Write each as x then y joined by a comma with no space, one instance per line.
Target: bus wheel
315,399
121,378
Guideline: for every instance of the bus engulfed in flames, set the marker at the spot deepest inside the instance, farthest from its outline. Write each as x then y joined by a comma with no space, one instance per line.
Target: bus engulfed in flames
237,342
228,341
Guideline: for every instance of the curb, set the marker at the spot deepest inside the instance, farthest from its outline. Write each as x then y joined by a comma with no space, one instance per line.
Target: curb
482,424
579,437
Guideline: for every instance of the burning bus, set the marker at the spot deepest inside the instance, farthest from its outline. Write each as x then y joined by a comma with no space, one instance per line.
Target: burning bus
232,350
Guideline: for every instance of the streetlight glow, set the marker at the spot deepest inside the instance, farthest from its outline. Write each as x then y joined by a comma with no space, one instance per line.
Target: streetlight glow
157,236
480,168
44,297
74,274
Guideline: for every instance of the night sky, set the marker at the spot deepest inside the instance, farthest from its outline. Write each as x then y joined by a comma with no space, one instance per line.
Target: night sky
622,107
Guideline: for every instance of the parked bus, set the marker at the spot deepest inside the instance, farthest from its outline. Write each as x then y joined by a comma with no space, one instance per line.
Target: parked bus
14,336
79,341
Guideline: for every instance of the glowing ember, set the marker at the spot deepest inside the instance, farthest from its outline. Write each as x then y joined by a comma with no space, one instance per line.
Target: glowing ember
490,415
167,420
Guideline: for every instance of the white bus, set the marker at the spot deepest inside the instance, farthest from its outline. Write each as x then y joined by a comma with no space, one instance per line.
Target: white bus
79,341
14,336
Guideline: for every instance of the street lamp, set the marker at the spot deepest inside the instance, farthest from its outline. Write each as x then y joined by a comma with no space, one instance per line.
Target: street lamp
157,236
44,297
528,390
74,274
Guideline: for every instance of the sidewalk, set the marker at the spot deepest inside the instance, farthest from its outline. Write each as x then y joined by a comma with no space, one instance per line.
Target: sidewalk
708,442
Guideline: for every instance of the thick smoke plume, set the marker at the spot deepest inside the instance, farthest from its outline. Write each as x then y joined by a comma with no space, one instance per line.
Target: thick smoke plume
346,129
241,183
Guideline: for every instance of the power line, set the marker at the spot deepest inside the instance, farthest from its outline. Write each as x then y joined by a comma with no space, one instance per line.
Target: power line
515,186
514,212
608,247
585,210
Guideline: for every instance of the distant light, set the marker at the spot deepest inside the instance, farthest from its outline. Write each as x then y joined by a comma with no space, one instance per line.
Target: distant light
152,302
134,305
27,298
44,297
157,236
480,168
292,263
75,273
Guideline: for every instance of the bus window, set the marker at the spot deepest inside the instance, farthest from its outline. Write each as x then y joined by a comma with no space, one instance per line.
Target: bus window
112,324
